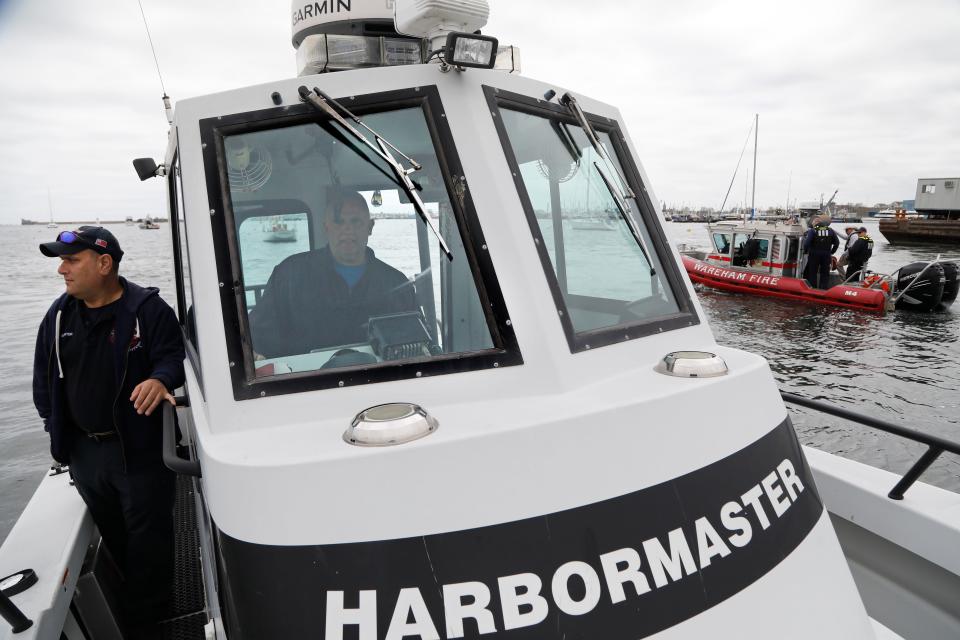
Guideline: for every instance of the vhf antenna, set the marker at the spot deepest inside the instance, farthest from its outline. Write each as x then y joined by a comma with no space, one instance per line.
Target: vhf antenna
166,99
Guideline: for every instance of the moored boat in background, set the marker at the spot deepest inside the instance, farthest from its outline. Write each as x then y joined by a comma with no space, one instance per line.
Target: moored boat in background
762,259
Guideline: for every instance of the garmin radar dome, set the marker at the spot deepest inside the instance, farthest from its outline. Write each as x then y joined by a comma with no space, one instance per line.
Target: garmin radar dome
340,35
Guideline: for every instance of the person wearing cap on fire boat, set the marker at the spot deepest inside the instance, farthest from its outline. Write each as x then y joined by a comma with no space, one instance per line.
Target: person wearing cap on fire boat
820,243
849,235
860,253
108,353
323,298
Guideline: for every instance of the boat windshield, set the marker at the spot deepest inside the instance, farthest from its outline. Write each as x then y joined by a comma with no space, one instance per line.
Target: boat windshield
602,276
337,269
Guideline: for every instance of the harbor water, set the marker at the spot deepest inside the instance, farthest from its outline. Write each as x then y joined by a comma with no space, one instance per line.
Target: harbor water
902,366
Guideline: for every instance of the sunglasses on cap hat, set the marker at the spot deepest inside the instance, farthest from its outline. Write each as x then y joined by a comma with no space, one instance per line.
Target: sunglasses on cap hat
71,237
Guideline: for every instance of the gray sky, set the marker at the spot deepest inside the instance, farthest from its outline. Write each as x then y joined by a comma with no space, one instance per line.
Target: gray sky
863,96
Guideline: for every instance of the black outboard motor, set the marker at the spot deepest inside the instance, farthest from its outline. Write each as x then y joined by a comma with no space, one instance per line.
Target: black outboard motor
926,293
952,285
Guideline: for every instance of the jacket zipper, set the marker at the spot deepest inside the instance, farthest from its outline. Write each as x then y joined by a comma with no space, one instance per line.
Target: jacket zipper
49,381
116,424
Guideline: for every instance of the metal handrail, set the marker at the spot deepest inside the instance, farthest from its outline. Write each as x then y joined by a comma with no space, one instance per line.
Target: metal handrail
936,444
170,458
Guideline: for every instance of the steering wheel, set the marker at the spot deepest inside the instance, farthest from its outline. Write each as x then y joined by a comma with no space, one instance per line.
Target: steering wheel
349,358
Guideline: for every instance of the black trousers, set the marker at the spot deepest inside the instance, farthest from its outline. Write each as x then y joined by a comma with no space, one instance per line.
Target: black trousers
134,513
853,267
818,270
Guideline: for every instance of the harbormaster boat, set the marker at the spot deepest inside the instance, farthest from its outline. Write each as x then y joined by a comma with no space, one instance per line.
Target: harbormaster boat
549,443
767,259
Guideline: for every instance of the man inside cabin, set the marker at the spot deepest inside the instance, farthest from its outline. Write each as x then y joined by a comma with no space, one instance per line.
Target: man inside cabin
324,298
108,353
820,243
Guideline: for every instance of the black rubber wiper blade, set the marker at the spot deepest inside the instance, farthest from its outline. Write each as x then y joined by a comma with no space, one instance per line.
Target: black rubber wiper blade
329,106
573,106
626,215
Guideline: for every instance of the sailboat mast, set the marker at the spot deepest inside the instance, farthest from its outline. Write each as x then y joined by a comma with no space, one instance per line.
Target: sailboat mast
786,208
756,134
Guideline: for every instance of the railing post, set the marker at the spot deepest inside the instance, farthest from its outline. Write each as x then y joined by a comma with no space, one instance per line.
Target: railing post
911,476
13,615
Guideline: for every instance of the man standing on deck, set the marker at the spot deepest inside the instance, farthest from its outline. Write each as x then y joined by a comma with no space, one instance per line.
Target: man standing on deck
820,243
849,235
860,253
108,353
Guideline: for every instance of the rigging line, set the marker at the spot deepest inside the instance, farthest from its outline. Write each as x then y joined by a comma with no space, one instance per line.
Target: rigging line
154,51
737,169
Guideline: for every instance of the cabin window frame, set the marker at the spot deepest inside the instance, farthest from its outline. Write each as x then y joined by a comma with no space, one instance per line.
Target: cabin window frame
579,341
716,248
176,212
506,350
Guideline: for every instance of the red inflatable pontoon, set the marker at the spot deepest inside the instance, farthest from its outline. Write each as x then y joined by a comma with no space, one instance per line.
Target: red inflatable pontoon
745,281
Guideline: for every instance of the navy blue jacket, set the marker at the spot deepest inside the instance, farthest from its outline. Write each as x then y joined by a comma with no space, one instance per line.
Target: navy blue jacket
817,239
149,344
307,305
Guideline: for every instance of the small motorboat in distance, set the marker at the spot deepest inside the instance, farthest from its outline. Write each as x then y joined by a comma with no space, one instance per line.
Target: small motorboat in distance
277,230
764,259
147,223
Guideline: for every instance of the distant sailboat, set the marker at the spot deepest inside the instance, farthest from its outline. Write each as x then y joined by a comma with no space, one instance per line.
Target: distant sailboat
51,224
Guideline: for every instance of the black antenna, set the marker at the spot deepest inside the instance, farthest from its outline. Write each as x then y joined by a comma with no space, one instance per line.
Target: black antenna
166,98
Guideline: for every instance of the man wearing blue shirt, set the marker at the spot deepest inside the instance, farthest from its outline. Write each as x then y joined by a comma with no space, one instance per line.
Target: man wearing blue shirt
324,298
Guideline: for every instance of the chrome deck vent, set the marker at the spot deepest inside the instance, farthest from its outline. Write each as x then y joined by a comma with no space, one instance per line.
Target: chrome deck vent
692,364
390,424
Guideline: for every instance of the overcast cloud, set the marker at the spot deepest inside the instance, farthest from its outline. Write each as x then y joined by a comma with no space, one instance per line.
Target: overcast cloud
861,96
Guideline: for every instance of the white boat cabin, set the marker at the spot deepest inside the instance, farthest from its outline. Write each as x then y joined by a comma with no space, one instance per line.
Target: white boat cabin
774,249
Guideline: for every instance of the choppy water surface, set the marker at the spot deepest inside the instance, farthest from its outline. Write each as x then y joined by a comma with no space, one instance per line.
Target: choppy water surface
901,366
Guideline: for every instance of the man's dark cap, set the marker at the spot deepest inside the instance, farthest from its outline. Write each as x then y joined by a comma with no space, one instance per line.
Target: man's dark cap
863,229
96,238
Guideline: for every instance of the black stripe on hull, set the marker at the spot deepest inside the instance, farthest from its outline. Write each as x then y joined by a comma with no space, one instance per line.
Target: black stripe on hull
619,569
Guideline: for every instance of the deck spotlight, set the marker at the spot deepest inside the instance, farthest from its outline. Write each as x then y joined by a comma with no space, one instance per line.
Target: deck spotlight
692,364
390,424
470,50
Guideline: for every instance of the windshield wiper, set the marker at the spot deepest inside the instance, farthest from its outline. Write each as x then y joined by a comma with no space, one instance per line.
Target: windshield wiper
619,192
625,214
571,103
566,139
325,104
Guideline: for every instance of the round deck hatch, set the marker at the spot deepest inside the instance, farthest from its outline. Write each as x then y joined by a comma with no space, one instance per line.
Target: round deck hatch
390,424
692,364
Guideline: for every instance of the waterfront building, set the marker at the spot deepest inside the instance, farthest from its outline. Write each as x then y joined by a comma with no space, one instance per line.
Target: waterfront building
938,201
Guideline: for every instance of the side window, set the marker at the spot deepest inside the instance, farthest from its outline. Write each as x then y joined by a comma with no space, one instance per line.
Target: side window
721,242
763,252
601,273
338,269
184,276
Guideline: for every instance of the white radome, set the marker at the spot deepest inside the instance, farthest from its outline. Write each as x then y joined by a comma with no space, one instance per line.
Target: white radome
434,19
